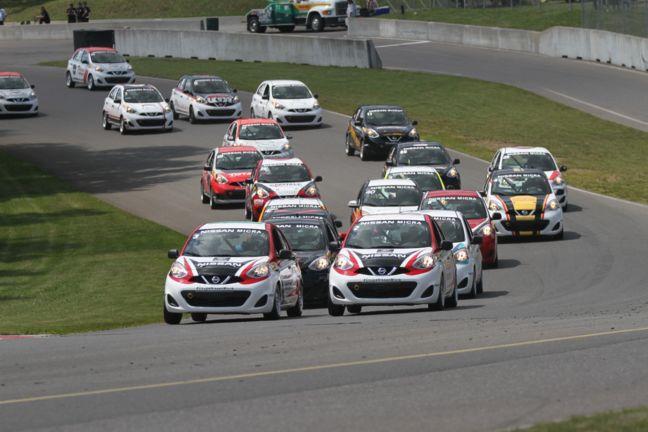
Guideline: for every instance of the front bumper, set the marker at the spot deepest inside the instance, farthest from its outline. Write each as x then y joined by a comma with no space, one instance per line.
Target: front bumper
222,299
489,249
23,107
211,112
228,193
384,143
308,118
465,277
561,193
106,79
404,289
141,122
550,223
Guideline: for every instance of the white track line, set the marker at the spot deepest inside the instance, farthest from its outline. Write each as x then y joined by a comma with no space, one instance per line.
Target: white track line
402,44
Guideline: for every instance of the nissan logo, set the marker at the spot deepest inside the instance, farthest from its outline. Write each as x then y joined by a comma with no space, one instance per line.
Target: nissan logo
215,279
382,271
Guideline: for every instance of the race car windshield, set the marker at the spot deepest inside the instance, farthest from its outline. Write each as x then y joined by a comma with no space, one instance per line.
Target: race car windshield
228,242
451,228
210,86
260,132
291,92
13,83
521,184
386,117
237,161
392,234
425,181
107,57
282,213
541,161
283,174
304,237
422,156
391,196
142,96
472,208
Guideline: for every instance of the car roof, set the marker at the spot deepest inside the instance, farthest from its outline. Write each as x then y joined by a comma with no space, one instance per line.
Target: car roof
376,107
393,216
297,220
282,161
524,149
202,76
411,169
295,212
452,193
422,144
441,213
284,82
509,171
256,121
233,224
92,49
236,149
294,202
391,182
10,74
137,86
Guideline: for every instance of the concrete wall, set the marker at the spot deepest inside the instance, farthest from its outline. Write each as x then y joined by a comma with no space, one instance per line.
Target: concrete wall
249,47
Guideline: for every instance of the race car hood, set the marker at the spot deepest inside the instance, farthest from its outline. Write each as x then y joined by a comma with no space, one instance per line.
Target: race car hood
286,189
524,203
386,258
221,266
19,93
475,223
264,145
235,176
369,210
148,107
298,103
218,98
113,67
391,130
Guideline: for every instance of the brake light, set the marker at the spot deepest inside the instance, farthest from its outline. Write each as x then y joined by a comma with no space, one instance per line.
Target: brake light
309,191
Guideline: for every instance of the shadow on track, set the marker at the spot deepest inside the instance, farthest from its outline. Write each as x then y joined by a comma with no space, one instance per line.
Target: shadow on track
506,263
254,318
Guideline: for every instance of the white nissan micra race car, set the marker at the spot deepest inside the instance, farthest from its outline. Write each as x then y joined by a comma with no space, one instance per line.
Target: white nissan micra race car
17,96
233,268
204,97
97,67
290,103
385,196
397,259
136,107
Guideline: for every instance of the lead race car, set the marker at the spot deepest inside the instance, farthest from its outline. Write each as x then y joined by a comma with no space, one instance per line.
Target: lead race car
525,203
204,97
17,96
233,267
98,67
136,107
396,259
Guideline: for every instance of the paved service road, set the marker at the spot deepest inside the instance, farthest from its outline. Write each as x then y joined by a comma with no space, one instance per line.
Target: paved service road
506,359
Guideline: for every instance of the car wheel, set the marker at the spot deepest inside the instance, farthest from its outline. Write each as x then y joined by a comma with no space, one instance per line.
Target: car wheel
350,151
453,301
175,114
203,198
480,284
354,309
123,129
105,123
254,26
248,213
560,235
364,154
69,82
192,117
212,202
91,83
473,289
270,115
252,115
296,311
335,310
495,262
440,303
171,318
274,314
317,24
199,317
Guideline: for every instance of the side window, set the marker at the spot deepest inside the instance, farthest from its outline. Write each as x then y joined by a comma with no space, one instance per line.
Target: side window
85,57
495,160
118,95
77,56
331,237
210,159
266,92
188,87
467,229
356,116
278,242
361,194
437,234
284,241
112,94
181,83
234,127
260,89
392,154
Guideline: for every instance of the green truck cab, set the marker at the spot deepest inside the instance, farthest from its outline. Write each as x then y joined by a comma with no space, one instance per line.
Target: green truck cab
287,14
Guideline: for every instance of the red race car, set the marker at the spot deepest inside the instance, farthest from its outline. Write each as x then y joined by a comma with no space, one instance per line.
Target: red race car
225,174
473,207
278,178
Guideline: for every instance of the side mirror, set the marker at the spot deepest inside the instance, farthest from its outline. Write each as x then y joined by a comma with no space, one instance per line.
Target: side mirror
563,168
230,137
206,167
316,96
477,240
353,204
248,181
456,162
289,137
118,100
490,168
414,123
235,91
343,236
334,246
338,224
173,254
496,216
446,245
33,86
318,179
166,100
389,162
286,254
482,193
84,62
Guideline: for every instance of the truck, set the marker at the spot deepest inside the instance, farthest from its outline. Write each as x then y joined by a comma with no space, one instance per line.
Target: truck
285,15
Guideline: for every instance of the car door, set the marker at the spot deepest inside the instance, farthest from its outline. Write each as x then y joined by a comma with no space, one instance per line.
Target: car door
256,100
447,261
82,69
285,268
73,64
109,102
264,102
474,250
117,102
355,129
177,94
208,171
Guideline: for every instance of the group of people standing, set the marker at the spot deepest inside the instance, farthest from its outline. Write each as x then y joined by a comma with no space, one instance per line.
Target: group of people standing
81,13
354,10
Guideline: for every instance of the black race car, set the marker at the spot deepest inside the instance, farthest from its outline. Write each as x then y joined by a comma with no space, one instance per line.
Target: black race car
426,154
374,129
316,245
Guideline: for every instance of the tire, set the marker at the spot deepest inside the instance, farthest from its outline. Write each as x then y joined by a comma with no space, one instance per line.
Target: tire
317,23
440,303
495,262
175,114
122,127
212,203
286,29
69,82
91,83
270,115
199,317
560,235
192,117
480,284
275,313
453,301
354,309
349,150
473,290
105,123
364,155
335,310
254,26
296,311
252,115
248,213
171,318
203,198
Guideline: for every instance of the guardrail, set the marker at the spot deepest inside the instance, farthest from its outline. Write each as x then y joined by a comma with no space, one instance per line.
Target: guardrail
249,47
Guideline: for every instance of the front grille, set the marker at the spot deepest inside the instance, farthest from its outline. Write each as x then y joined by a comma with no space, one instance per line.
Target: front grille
340,8
382,290
215,298
393,138
18,107
151,123
117,80
220,113
300,119
236,194
151,114
270,152
118,73
215,279
18,100
386,271
524,212
299,110
530,225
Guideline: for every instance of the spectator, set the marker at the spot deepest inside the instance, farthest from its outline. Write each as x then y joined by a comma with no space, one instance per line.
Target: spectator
3,16
372,5
79,12
86,12
44,17
71,13
351,11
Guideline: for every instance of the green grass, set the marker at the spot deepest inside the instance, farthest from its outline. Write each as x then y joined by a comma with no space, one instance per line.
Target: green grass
71,263
629,420
21,10
469,115
520,17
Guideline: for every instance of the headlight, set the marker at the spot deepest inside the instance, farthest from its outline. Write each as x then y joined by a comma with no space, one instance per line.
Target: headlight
259,272
553,204
371,133
130,109
311,191
452,173
558,180
178,270
286,147
316,106
200,100
2,97
236,99
494,206
424,262
262,193
167,109
461,255
278,105
487,230
327,12
99,69
130,68
413,132
343,262
220,179
321,263
31,94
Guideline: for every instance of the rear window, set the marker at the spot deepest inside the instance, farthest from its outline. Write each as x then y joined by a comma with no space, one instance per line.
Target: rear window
392,196
471,207
422,156
452,228
237,160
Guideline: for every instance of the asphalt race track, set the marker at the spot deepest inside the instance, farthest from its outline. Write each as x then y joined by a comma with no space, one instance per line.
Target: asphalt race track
562,328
